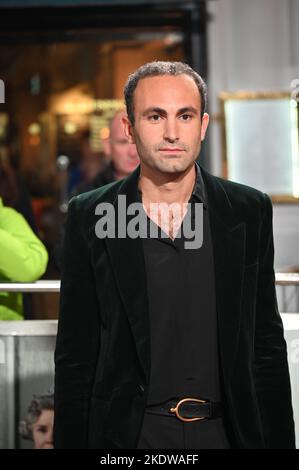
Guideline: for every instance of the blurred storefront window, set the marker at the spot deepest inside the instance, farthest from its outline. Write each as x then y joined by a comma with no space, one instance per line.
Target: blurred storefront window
64,70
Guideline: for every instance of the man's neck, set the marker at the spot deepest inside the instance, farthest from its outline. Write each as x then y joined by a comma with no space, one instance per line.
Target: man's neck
168,188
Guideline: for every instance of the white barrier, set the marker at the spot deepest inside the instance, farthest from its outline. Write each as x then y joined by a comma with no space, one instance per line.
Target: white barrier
291,334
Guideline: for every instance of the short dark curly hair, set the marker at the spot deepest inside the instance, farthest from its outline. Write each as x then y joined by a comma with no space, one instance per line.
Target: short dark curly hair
156,68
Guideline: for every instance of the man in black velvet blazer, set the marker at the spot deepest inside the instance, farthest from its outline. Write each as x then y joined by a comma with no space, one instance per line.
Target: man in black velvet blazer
103,354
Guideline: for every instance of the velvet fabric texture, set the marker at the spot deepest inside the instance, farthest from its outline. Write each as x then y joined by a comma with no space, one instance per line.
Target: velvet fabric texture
102,356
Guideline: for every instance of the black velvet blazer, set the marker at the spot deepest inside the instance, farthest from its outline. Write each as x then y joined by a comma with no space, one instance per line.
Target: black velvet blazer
102,356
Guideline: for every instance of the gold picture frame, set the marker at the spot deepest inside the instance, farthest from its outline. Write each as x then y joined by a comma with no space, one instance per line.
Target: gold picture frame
262,127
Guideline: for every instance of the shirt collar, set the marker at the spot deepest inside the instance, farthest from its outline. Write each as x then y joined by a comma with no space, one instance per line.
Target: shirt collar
198,191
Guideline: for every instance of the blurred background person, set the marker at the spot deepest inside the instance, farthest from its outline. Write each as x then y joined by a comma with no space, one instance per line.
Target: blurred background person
14,190
121,155
23,258
15,193
38,426
89,164
122,160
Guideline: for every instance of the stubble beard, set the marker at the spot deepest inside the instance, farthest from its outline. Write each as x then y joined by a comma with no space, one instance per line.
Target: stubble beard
169,165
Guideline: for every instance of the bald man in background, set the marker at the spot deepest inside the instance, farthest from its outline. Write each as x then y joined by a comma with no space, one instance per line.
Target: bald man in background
123,161
122,154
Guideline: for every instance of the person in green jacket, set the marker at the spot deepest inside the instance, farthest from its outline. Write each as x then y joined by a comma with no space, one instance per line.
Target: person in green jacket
23,258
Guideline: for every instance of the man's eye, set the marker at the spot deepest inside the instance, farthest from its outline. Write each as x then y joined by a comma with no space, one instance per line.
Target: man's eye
186,117
154,117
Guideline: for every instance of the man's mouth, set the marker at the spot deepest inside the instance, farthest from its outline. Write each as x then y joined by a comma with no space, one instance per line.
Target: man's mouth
171,150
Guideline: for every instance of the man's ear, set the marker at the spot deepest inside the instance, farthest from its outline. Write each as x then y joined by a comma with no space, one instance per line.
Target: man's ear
128,129
204,125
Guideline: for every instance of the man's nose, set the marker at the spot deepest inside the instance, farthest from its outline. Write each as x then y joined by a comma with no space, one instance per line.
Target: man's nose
171,131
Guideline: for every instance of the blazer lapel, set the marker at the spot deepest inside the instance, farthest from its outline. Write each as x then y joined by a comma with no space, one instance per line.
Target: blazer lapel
127,259
228,238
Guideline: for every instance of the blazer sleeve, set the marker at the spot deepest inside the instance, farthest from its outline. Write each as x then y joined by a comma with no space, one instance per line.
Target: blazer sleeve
271,373
78,338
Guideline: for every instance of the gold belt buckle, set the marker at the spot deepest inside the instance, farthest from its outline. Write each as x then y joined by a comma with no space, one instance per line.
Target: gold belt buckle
176,409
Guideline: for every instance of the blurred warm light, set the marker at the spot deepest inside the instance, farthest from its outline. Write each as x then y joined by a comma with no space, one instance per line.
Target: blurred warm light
108,105
104,133
70,128
2,131
77,107
3,124
172,39
79,100
34,140
73,101
34,128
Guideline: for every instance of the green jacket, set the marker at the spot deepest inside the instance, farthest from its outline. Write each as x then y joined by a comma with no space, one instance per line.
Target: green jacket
23,258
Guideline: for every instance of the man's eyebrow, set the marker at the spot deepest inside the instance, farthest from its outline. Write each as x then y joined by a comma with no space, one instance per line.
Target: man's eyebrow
154,110
186,109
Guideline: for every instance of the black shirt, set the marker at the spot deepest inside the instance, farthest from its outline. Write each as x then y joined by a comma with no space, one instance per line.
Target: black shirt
182,310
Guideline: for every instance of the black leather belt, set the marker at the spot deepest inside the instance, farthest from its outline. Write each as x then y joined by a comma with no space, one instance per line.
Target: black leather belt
187,409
